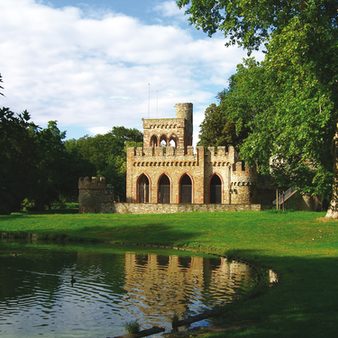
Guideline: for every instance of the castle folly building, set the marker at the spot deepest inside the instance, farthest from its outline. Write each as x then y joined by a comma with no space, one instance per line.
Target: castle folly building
169,175
167,169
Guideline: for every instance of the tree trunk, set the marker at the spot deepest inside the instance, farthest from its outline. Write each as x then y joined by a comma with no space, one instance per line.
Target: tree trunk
332,211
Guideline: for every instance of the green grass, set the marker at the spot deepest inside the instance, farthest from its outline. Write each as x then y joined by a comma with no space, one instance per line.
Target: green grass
301,247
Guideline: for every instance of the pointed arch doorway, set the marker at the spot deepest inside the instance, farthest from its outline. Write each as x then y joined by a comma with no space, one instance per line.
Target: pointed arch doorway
215,190
143,189
185,189
164,189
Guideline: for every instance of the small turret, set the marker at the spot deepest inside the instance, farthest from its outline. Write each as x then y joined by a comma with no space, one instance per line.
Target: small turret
185,111
242,180
92,192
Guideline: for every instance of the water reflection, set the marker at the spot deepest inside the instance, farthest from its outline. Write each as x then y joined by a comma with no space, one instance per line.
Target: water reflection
182,285
38,296
273,277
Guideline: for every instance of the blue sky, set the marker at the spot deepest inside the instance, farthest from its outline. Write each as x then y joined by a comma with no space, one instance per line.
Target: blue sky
90,65
137,8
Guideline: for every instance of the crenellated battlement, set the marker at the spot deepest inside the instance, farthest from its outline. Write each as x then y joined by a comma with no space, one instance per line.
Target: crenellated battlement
175,132
239,167
168,171
93,191
220,156
242,174
155,152
164,123
92,183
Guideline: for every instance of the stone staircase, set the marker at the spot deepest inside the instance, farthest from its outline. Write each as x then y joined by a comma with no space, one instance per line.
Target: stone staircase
284,196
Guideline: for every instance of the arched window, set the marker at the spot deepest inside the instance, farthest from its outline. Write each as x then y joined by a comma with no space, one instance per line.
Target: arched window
173,141
185,189
153,141
163,141
164,189
143,189
215,190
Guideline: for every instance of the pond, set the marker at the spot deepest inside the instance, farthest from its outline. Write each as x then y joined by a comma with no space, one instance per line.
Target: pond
83,293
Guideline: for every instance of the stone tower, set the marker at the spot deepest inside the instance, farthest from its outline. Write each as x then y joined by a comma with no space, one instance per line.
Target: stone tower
184,111
174,132
168,170
92,193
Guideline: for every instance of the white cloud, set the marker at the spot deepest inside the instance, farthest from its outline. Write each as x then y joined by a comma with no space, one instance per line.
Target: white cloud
93,72
99,130
170,9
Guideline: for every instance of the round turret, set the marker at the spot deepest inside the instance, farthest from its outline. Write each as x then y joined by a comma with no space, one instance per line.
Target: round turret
184,110
92,191
242,180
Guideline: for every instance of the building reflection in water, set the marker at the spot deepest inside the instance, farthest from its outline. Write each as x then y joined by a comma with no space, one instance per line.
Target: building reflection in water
160,285
273,277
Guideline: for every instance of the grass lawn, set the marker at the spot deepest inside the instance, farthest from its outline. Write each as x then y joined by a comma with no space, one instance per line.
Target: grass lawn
302,247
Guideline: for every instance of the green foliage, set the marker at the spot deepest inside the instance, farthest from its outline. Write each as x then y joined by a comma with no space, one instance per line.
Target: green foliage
40,170
286,106
18,157
36,169
251,23
51,167
218,129
1,86
132,327
107,154
296,123
229,122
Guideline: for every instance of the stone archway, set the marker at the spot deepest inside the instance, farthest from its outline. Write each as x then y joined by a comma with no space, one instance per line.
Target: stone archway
153,141
173,141
163,141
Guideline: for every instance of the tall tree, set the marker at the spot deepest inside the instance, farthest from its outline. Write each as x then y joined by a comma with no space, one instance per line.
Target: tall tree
18,159
227,123
216,130
52,166
1,86
299,71
252,23
107,154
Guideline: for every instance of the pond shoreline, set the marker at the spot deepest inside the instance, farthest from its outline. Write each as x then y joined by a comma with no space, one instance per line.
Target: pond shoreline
300,246
261,283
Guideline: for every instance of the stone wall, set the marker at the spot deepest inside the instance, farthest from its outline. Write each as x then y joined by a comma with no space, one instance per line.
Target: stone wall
242,180
155,208
168,161
176,172
200,164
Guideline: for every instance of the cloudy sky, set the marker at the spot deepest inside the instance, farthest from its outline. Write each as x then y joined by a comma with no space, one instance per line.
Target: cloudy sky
92,65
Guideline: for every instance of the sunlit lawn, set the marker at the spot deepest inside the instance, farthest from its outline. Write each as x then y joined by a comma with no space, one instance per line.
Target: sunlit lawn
301,246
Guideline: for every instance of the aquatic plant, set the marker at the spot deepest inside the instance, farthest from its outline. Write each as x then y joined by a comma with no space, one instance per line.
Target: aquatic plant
132,327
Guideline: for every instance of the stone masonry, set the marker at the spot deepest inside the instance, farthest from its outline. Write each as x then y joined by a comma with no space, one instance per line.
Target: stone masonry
168,164
93,193
169,175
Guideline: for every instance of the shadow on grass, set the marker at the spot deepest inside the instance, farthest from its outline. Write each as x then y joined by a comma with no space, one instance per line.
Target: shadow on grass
143,234
303,304
140,234
55,211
